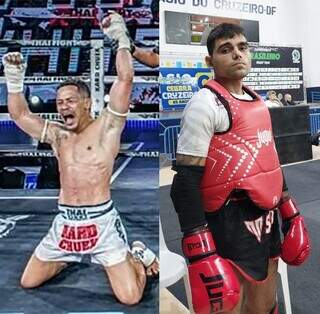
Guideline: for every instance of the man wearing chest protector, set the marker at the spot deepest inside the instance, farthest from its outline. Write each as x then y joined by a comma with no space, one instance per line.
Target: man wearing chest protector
229,189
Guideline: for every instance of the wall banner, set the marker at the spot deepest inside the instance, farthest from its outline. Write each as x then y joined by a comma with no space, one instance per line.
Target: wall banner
177,85
276,68
226,5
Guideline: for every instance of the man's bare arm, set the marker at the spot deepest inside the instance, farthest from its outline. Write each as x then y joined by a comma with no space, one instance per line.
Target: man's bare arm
120,91
20,113
35,126
186,160
38,128
114,116
115,28
14,70
147,57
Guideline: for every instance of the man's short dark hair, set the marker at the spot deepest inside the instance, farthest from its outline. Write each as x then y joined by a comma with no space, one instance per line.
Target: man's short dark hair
224,30
82,86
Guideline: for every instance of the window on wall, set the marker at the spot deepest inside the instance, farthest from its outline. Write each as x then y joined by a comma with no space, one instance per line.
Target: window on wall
177,28
199,24
191,29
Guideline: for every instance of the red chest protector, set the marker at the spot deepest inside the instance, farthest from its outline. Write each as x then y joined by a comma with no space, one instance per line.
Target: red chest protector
244,157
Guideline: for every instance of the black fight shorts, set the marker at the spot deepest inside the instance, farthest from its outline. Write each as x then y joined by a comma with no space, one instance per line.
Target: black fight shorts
247,236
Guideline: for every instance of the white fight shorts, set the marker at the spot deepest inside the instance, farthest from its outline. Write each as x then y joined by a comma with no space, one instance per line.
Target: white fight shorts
80,230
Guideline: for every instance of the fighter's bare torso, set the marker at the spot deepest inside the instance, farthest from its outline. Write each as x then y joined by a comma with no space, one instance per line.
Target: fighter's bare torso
86,159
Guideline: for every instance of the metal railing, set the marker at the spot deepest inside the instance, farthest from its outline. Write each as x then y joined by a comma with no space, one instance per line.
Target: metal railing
314,123
315,96
170,138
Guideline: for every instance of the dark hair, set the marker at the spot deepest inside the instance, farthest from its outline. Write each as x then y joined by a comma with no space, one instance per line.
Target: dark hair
224,30
82,86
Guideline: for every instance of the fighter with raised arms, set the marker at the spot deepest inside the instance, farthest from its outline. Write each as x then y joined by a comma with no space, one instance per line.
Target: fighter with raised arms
86,148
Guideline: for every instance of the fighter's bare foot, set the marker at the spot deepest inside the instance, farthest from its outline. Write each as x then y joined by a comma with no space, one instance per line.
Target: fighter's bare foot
147,257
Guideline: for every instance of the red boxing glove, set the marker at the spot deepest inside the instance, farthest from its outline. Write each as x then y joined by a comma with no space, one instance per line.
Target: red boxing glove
214,285
296,243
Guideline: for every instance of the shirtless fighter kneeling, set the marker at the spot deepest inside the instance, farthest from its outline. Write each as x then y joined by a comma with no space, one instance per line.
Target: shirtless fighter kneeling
88,222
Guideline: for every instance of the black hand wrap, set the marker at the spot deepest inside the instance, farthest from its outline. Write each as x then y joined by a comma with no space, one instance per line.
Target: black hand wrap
186,197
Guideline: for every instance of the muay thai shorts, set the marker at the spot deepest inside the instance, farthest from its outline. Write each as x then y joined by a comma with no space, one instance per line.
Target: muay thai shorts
76,231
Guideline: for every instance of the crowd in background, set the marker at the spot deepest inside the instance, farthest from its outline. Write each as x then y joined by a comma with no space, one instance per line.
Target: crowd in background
274,100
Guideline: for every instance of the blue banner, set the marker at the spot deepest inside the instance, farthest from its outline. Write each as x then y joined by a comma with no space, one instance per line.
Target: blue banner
177,85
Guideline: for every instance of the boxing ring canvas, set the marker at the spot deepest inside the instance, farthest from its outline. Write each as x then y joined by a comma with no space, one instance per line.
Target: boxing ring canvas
26,216
82,288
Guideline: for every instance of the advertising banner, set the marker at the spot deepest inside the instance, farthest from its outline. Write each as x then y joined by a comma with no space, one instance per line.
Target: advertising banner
276,68
177,85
